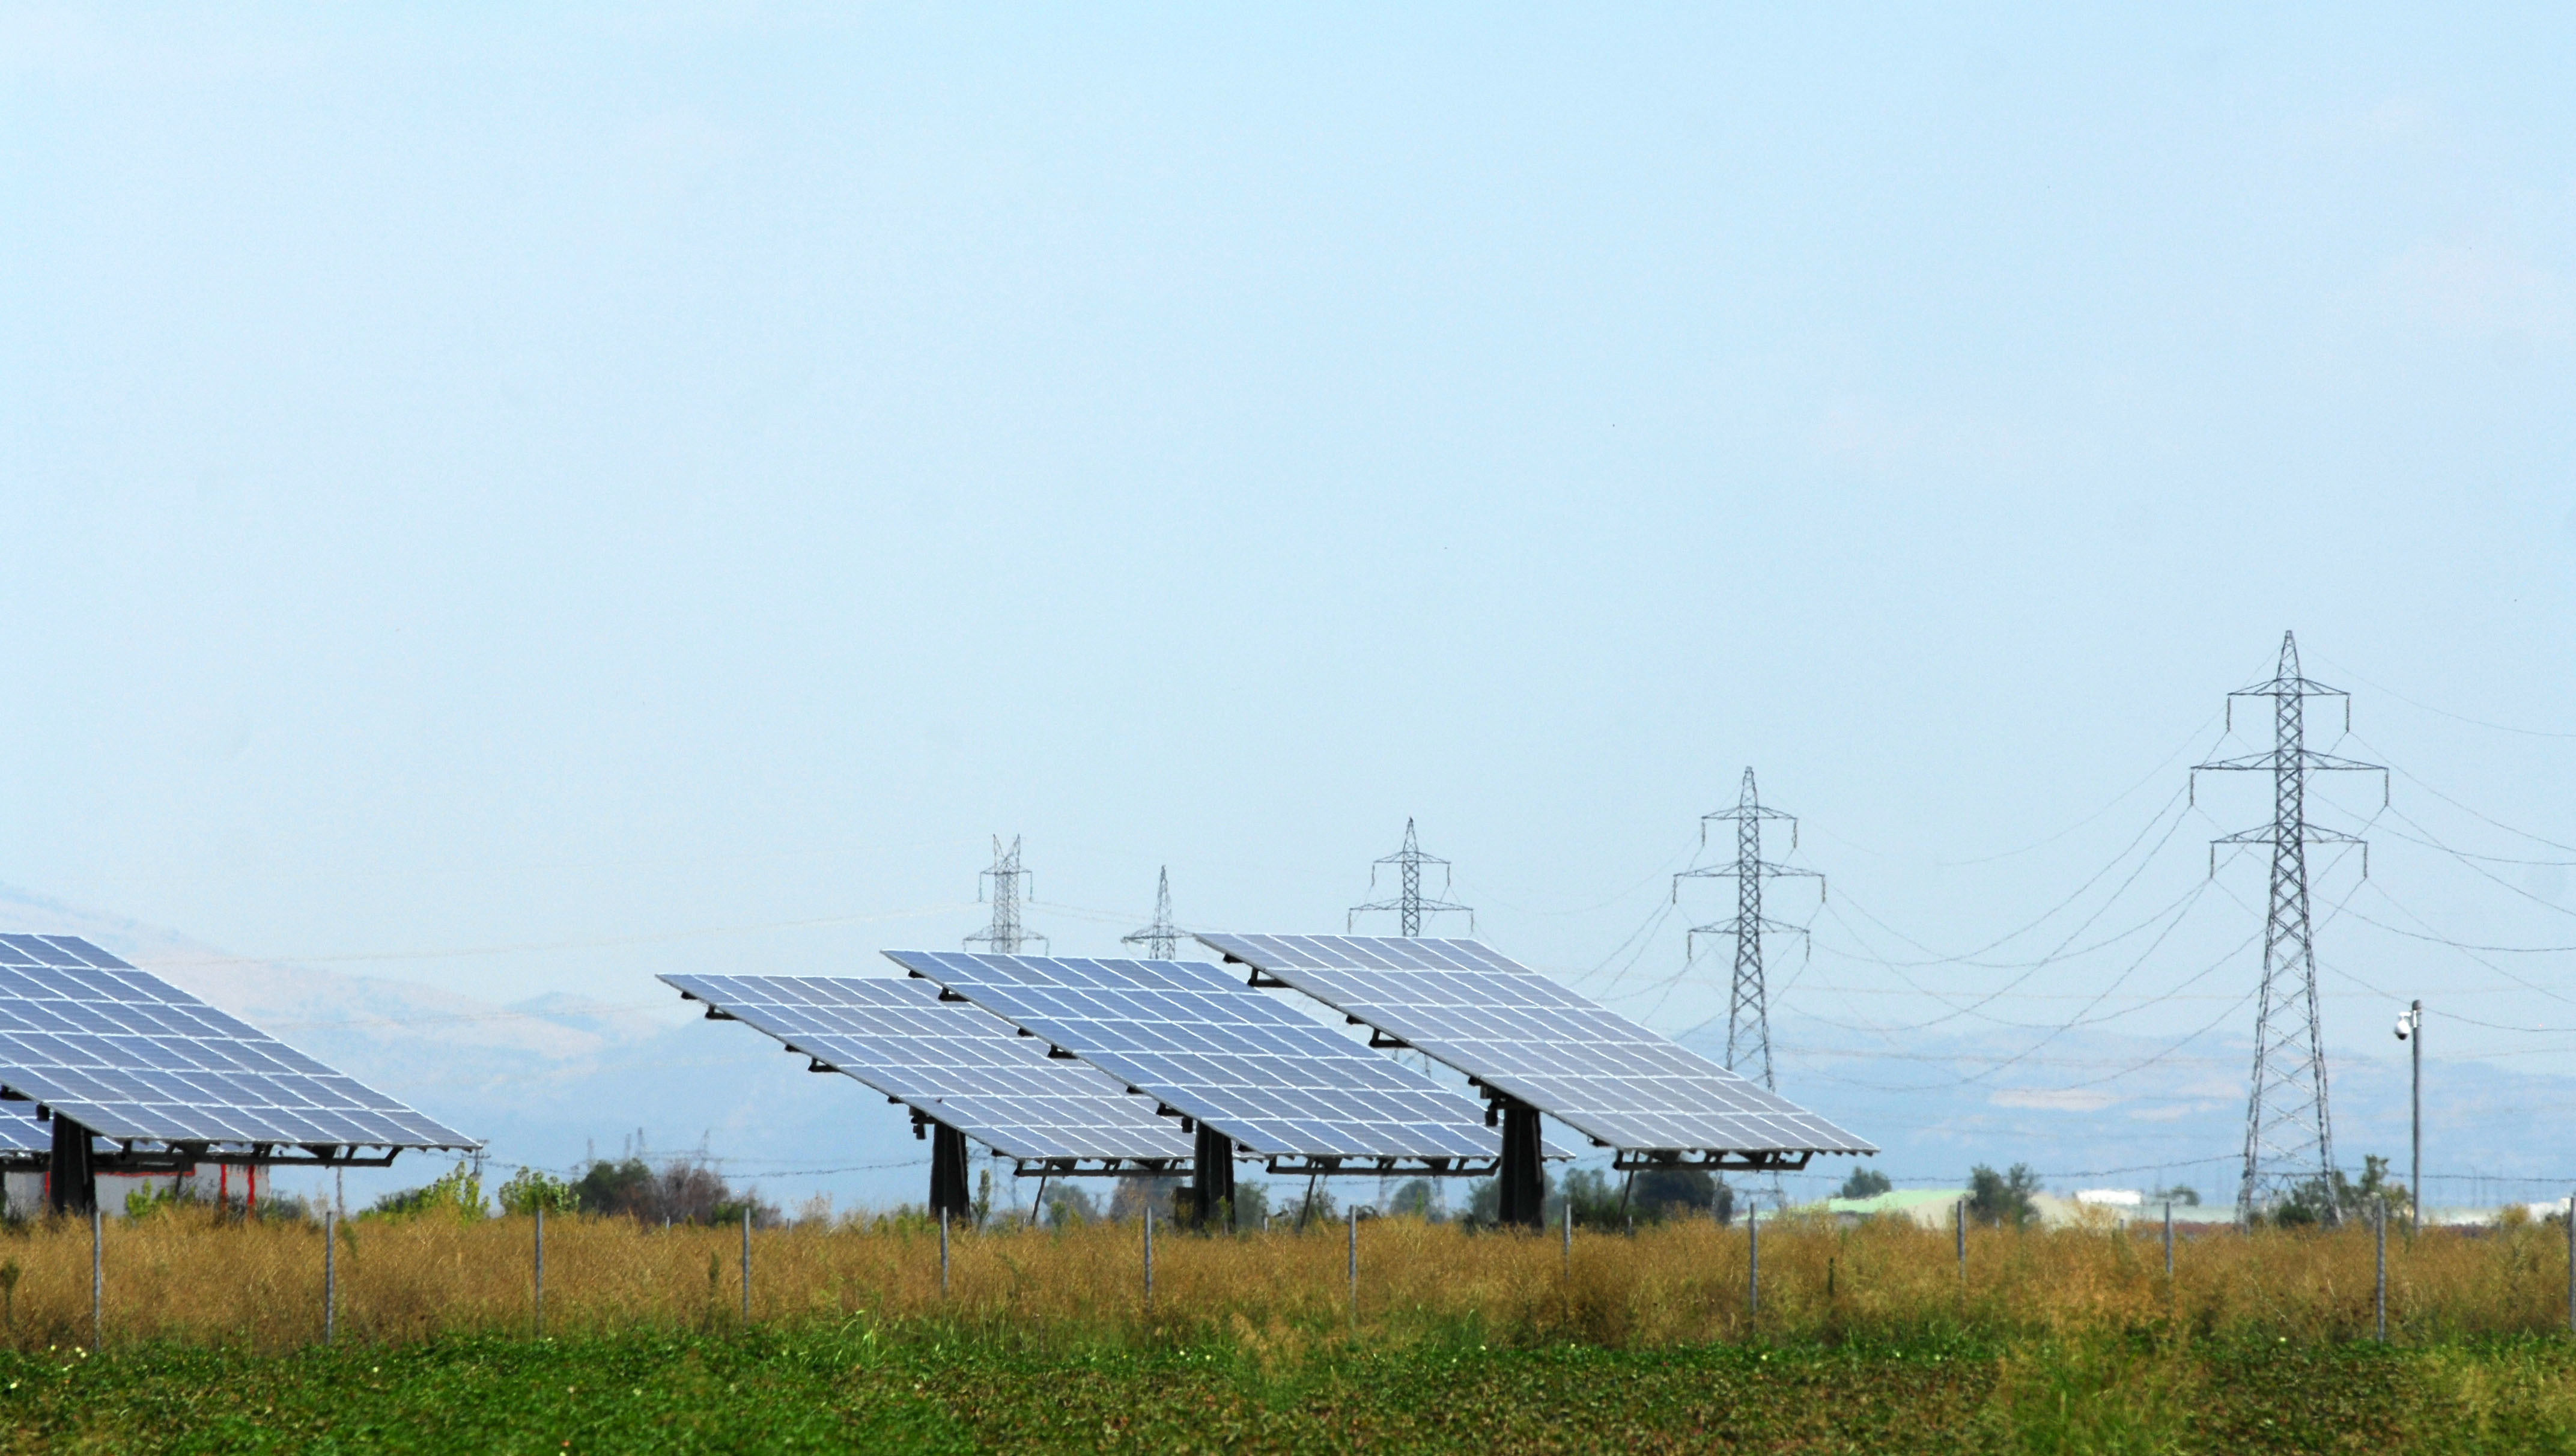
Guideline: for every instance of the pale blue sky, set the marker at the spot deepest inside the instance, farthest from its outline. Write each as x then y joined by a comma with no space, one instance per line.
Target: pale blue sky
479,479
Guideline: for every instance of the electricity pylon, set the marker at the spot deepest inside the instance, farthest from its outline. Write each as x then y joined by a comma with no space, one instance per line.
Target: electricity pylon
1408,904
1161,939
1748,1015
1009,889
2289,1135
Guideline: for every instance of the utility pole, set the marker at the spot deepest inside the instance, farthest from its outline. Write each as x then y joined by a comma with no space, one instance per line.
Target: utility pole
1408,905
1009,889
2410,1029
1161,939
2289,1135
1748,1016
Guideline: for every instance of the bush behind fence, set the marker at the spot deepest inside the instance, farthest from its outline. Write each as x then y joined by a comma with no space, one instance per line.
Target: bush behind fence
192,1277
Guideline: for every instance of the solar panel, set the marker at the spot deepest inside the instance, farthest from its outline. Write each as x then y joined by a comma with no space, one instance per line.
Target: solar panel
131,1057
23,1139
959,1066
1516,1031
1189,1035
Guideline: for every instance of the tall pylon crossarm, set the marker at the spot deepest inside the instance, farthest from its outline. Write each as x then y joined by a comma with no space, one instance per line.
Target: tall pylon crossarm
1005,885
1161,939
1748,1013
2289,1125
1410,905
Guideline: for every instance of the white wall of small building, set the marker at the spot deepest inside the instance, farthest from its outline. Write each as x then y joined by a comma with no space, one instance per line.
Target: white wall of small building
232,1184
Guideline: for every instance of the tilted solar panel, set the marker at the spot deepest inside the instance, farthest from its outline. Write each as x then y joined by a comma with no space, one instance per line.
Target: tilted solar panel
1189,1035
1516,1031
27,1143
22,1138
130,1056
960,1066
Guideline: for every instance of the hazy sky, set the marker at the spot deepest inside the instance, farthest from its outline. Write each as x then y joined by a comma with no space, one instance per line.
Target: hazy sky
665,486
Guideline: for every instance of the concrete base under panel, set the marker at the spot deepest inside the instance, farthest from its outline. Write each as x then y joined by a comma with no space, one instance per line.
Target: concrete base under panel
232,1185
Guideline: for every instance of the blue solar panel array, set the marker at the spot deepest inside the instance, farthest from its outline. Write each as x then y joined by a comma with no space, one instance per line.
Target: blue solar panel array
1196,1040
1462,1004
958,1065
130,1056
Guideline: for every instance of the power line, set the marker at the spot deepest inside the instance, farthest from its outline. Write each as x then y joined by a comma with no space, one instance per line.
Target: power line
2465,950
2484,858
2465,809
2480,870
2445,712
1969,957
2143,780
1979,1002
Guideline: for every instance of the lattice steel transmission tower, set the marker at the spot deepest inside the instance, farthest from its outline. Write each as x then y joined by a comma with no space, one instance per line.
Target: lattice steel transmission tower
2289,1134
1161,939
1408,904
1748,1014
1008,891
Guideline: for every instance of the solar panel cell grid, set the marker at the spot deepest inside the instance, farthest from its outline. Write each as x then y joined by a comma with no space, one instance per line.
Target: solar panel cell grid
1275,1083
1520,1033
127,1055
963,1067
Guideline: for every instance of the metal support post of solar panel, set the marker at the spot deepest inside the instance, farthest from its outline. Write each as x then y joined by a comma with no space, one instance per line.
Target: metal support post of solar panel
130,1074
964,1073
1534,1047
1246,1075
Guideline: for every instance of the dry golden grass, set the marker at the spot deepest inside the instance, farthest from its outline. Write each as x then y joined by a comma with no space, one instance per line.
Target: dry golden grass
191,1277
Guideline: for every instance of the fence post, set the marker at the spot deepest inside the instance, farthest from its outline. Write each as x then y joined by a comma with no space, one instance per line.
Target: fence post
2379,1276
1959,1212
746,1263
1149,1258
1355,1266
1569,1233
1753,1262
541,1271
97,1279
943,1253
2169,1241
2571,1263
330,1274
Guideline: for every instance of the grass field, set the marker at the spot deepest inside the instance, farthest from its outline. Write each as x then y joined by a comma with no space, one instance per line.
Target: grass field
1866,1339
190,1277
860,1390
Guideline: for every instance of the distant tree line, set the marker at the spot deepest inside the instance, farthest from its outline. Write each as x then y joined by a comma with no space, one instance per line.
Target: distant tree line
684,1190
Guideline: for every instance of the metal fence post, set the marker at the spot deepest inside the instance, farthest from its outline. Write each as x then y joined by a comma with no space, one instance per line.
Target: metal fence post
1753,1261
97,1280
1569,1232
1959,1212
1355,1266
943,1253
2168,1241
1149,1256
746,1263
541,1271
2379,1277
330,1274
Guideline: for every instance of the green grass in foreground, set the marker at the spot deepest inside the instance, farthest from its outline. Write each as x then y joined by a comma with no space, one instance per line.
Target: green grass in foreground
849,1391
